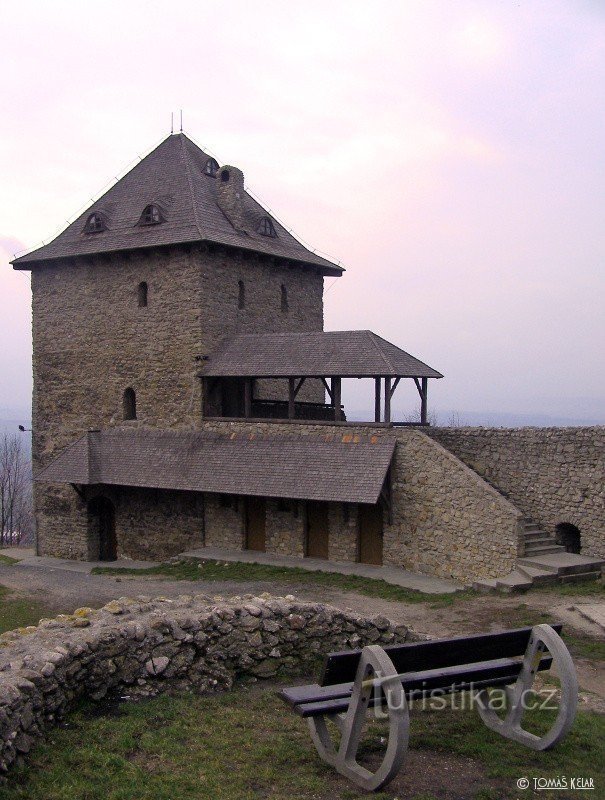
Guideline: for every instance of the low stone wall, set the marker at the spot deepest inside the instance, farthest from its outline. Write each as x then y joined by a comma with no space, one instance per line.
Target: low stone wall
140,647
554,475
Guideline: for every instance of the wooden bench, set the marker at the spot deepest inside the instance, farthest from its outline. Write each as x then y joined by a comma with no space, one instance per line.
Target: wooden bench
384,679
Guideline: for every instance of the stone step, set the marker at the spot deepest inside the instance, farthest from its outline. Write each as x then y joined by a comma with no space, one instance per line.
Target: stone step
516,581
485,585
562,563
543,549
578,577
538,533
538,576
542,541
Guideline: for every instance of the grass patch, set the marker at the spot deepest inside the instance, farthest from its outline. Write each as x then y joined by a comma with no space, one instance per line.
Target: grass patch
16,612
588,588
245,744
199,570
8,559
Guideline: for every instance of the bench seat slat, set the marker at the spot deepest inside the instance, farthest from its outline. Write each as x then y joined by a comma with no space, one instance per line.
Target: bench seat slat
342,667
313,699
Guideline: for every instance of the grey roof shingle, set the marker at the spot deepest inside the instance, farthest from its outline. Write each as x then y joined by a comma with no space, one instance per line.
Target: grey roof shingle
328,469
171,176
313,354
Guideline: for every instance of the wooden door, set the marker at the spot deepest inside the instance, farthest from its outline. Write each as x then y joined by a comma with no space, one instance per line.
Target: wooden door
255,524
370,534
103,517
317,530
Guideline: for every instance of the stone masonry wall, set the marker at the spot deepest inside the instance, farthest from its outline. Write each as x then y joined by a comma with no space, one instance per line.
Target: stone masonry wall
91,341
142,647
553,475
447,520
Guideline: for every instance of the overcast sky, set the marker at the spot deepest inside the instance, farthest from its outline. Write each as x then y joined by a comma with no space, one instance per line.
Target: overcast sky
449,155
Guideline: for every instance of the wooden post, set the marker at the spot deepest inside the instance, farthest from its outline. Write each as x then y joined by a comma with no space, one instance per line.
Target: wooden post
247,397
377,400
387,399
423,401
291,396
336,398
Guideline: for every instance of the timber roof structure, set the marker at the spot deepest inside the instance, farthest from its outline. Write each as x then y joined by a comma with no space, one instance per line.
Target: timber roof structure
340,469
176,180
313,354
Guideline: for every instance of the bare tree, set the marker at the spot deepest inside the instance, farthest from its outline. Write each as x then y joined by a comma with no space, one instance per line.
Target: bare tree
15,492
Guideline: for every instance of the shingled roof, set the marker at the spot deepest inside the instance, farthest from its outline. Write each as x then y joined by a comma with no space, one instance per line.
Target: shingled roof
172,177
313,354
305,469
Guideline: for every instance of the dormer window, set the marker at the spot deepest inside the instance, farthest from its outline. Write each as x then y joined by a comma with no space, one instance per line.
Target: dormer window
211,167
95,224
151,215
266,228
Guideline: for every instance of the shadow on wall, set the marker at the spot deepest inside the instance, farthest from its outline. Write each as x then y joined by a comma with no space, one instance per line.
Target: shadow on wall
569,536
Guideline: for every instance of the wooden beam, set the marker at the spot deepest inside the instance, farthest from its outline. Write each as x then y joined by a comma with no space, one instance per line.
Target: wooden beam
417,382
336,397
327,388
387,399
424,401
377,400
247,397
395,385
291,397
299,386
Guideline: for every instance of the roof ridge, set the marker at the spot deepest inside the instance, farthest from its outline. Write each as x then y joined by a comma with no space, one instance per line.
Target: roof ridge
190,183
373,337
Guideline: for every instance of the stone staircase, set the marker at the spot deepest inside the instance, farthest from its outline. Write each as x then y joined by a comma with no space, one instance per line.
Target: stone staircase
543,562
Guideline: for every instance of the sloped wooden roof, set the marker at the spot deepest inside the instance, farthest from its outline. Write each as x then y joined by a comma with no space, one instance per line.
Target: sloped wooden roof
344,468
172,176
313,354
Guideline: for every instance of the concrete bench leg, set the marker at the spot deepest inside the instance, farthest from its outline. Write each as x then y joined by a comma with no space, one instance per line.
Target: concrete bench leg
542,637
374,664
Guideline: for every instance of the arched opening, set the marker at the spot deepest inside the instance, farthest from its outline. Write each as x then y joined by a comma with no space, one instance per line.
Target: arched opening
102,528
129,403
142,294
241,298
284,298
569,536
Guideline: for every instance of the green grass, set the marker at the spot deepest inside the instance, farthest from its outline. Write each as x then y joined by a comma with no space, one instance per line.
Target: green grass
197,570
589,588
245,744
16,612
8,559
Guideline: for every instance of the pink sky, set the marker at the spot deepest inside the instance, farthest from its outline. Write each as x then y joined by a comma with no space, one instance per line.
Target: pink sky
449,155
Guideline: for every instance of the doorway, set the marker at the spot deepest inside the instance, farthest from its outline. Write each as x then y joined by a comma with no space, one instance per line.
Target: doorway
318,531
370,534
255,522
102,526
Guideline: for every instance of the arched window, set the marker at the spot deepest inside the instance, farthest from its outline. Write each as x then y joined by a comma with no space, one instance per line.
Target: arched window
241,297
211,167
142,294
151,215
95,223
266,228
130,404
284,298
225,175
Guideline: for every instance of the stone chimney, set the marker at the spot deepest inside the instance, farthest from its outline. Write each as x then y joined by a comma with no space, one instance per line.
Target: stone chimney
230,194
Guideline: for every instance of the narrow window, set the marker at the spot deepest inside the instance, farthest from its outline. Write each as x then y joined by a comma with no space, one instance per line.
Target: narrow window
142,294
266,228
130,404
284,298
241,299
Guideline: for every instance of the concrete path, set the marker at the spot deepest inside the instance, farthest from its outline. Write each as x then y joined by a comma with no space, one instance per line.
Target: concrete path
594,612
393,575
26,558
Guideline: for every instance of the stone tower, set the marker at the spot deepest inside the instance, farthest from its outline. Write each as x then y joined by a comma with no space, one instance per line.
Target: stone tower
130,298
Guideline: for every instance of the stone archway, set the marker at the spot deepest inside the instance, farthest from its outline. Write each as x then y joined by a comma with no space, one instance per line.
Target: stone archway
102,529
569,536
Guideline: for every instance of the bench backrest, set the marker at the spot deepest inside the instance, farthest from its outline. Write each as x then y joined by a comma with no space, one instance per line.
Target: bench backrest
437,654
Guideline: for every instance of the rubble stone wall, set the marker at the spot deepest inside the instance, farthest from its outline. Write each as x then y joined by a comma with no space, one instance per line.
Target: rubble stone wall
554,475
141,647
